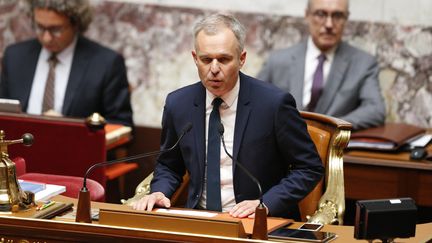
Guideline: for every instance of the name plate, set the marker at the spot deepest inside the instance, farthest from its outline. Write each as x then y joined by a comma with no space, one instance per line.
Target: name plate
174,222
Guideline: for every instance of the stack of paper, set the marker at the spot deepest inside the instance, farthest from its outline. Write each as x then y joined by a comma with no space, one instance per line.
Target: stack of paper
42,191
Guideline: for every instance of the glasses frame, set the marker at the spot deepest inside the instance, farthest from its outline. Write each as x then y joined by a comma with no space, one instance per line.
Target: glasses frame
337,17
55,31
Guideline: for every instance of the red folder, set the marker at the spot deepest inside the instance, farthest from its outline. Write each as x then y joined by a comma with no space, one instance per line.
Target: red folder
390,137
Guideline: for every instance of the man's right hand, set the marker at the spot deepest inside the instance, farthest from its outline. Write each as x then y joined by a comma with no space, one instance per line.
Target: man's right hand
149,201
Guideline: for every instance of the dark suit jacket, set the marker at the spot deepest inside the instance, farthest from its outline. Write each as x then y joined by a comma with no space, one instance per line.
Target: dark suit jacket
352,91
97,81
270,139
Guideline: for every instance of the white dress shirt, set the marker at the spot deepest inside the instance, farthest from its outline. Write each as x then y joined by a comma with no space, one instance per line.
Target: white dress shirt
62,72
227,112
311,63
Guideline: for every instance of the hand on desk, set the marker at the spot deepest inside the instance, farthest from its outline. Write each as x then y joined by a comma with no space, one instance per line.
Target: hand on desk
52,113
241,210
245,209
149,201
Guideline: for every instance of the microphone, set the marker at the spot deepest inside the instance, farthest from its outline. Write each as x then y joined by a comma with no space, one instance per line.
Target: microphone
83,210
244,169
260,221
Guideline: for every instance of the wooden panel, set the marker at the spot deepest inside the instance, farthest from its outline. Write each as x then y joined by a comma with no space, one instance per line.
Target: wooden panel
424,189
377,182
229,227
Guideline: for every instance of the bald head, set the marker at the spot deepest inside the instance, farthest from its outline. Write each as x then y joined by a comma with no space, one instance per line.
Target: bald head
344,3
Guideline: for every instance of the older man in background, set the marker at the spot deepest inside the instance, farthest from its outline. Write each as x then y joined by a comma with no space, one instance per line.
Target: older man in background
327,75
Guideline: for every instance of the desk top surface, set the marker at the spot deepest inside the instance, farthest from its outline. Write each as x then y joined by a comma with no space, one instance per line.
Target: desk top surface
391,159
345,233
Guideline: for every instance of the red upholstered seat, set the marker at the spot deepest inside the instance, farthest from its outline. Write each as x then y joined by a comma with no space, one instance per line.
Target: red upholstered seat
20,166
73,184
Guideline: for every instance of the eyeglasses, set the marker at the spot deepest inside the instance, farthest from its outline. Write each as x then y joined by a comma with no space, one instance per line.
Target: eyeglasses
337,17
55,31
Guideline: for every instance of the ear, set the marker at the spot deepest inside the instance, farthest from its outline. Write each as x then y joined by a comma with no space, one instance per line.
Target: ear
194,55
242,58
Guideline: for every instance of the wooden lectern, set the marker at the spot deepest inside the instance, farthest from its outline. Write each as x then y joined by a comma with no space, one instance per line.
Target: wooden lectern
120,223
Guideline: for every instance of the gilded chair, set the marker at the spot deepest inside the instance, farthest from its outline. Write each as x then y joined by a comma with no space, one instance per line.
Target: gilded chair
326,203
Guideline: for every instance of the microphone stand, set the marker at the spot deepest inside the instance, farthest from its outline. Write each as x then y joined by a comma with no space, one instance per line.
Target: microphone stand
260,220
83,209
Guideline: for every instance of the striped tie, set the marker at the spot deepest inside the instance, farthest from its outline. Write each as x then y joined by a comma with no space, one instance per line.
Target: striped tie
48,101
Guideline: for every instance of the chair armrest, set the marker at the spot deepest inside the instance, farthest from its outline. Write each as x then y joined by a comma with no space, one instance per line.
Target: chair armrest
141,190
331,206
178,199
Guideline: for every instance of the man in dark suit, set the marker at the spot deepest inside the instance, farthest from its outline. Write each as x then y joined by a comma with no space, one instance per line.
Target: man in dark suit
350,88
263,131
86,77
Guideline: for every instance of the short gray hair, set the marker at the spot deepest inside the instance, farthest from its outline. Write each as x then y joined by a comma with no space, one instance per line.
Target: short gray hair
212,25
79,12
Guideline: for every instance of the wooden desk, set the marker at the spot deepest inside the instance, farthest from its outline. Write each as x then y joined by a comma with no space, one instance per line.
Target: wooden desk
36,230
376,175
117,135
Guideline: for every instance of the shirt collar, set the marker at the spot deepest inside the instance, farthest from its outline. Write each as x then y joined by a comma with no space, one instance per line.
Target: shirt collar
314,52
228,98
64,55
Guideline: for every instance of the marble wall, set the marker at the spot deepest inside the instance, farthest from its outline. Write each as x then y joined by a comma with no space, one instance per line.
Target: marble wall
412,12
156,41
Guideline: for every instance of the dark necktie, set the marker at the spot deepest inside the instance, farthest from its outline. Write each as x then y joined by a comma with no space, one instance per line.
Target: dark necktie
213,159
48,100
318,83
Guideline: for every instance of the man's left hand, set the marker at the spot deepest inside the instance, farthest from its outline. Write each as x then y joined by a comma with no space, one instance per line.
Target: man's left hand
245,209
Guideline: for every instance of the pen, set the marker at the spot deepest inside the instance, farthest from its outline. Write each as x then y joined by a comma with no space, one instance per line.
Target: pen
43,203
40,206
46,205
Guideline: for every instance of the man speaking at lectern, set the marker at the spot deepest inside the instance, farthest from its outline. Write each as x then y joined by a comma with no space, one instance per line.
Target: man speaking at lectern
62,73
263,131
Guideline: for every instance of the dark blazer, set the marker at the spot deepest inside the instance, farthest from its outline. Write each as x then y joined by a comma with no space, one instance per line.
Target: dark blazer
97,81
352,91
270,139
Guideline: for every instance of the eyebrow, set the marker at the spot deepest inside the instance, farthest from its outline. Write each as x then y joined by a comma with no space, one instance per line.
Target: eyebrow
48,26
218,55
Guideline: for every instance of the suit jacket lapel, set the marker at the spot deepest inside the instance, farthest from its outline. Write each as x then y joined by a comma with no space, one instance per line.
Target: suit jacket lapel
30,63
198,114
76,77
296,75
334,81
243,111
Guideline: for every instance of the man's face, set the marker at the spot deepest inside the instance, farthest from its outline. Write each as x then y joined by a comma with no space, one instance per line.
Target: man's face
326,20
53,30
218,60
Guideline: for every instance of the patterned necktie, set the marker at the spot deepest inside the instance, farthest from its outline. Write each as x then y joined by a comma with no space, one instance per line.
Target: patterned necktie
48,100
213,159
318,83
